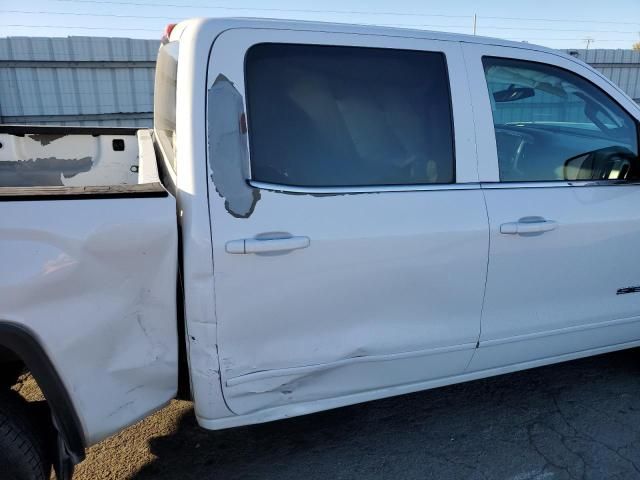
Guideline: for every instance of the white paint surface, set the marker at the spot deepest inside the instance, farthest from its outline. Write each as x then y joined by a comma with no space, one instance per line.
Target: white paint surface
94,280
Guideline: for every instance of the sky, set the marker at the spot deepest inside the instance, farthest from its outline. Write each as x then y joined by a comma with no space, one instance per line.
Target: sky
557,24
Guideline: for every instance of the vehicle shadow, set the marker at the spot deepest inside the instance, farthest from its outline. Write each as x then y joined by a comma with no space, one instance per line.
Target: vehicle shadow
572,420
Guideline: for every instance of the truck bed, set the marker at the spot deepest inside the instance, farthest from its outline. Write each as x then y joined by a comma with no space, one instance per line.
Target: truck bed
52,161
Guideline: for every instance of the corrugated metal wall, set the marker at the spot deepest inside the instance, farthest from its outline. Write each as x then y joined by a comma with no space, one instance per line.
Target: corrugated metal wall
109,81
77,81
621,66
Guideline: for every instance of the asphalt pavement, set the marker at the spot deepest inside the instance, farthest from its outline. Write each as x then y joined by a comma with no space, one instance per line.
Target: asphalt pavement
577,420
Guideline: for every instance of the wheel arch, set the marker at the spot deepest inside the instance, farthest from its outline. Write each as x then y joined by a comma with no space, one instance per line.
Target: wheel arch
24,344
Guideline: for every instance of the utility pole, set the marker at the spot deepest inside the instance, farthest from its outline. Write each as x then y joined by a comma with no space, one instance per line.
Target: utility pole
589,41
475,23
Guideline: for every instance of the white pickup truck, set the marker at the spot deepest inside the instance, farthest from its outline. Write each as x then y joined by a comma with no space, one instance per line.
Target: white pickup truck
322,215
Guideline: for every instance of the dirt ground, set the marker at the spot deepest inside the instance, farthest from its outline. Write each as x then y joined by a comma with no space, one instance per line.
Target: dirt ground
578,420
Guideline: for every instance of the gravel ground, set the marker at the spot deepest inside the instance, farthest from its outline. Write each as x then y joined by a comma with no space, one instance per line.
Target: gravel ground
574,420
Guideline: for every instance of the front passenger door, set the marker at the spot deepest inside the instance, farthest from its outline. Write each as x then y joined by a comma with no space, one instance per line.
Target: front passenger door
560,178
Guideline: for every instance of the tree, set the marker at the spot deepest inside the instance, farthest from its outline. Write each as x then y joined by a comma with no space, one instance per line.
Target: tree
636,46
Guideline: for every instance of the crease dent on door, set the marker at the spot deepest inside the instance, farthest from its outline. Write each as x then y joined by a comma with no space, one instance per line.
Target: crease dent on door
387,290
265,380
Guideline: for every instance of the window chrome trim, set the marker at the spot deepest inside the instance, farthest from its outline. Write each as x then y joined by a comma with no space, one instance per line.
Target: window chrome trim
442,52
364,189
275,187
556,184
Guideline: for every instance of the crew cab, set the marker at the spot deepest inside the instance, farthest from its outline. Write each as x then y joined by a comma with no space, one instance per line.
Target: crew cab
322,215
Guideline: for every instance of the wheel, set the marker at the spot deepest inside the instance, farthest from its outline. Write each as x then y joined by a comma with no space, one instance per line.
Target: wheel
22,441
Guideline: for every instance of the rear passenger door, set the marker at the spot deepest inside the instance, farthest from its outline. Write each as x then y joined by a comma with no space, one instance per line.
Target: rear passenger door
350,236
558,156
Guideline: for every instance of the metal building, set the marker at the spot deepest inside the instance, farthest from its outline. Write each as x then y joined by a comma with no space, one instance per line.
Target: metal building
77,81
621,66
109,81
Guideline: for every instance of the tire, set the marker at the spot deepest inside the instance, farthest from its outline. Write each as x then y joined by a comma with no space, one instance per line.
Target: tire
22,440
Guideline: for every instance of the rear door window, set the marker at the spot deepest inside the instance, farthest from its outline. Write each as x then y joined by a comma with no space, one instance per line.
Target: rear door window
325,116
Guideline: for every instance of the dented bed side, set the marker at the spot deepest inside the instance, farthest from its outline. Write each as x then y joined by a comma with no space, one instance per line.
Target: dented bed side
91,273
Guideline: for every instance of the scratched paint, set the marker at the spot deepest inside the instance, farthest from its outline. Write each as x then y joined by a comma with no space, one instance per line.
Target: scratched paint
46,138
42,172
48,160
228,149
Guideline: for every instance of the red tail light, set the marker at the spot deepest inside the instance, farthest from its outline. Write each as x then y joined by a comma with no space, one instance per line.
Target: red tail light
167,32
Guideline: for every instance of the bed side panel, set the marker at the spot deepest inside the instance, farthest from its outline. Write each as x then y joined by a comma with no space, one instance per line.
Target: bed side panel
95,280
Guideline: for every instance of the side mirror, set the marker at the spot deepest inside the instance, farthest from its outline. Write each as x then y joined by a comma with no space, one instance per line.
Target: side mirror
512,94
610,163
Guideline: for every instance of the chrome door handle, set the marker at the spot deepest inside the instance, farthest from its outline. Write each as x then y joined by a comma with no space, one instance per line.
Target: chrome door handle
528,225
258,245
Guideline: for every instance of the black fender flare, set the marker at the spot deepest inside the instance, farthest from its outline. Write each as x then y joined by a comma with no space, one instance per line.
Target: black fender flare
23,343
